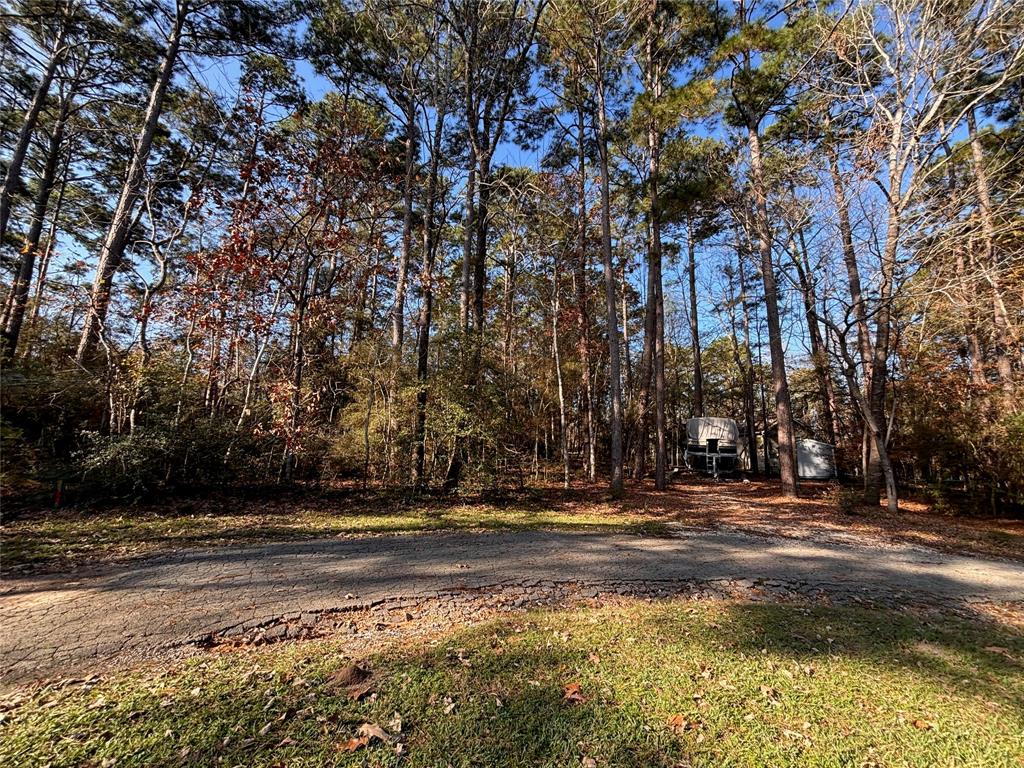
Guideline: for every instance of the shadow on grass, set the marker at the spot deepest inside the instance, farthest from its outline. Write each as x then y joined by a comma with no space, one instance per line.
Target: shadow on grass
754,684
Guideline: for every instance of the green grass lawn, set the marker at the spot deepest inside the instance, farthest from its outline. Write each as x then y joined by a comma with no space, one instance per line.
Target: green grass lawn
629,684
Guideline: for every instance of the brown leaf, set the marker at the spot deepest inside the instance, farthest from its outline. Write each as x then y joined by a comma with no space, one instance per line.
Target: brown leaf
354,679
352,745
772,694
679,724
373,731
573,694
922,725
366,734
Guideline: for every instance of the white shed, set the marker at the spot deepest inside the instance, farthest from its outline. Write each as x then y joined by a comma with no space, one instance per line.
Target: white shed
815,460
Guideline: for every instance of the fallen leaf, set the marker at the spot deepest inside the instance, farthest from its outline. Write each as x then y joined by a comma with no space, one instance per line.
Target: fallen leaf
922,725
366,734
573,694
589,762
354,679
771,694
352,745
371,731
679,724
395,723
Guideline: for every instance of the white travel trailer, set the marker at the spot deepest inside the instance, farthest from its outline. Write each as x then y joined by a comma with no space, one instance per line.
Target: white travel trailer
711,445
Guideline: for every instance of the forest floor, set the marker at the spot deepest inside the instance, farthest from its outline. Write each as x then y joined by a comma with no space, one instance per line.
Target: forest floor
40,540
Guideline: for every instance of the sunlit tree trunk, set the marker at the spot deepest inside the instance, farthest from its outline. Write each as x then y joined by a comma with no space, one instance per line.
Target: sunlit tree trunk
857,304
112,250
611,293
819,360
411,156
563,434
658,352
990,262
783,411
426,282
582,299
698,371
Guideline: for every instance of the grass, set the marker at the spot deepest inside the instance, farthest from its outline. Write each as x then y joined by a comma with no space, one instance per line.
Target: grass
659,684
57,539
77,537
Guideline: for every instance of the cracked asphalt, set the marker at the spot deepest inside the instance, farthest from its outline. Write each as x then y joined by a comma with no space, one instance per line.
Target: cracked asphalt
64,626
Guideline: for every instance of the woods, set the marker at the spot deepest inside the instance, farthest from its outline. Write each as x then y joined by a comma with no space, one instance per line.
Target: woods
478,243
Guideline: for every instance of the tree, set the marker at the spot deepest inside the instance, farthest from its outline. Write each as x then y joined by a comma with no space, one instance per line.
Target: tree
917,86
758,57
201,26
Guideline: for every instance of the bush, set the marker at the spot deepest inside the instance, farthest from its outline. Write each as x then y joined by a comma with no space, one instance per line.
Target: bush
847,501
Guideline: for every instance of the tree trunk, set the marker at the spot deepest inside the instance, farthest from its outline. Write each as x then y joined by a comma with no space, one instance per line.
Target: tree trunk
298,367
612,324
879,467
582,300
26,264
698,371
12,180
749,367
467,249
1000,319
112,251
744,366
556,353
426,307
480,256
51,235
654,142
856,292
783,412
808,292
398,312
646,358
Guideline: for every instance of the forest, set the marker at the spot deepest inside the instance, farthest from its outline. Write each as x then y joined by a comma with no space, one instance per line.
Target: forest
442,245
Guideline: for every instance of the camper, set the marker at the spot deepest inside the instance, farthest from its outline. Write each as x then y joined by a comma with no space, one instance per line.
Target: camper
711,445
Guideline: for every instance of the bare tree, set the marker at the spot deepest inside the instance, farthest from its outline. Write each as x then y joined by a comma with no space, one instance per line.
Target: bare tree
913,70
